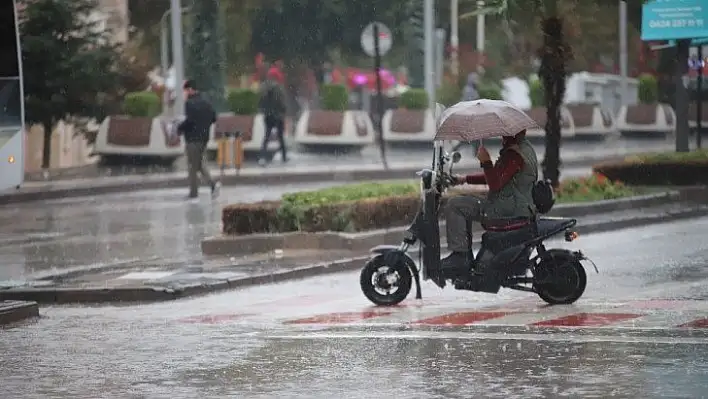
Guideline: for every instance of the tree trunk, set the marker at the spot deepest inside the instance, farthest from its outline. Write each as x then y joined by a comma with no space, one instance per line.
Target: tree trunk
205,52
415,35
554,55
681,95
47,149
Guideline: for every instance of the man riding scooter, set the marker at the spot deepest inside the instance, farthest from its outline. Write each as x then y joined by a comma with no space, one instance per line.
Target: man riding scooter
510,179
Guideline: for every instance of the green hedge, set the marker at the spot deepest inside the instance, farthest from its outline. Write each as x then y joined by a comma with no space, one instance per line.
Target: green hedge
490,91
659,169
142,104
359,207
243,101
334,97
414,99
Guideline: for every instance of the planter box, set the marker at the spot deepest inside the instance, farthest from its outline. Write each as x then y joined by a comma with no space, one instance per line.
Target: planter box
334,128
646,120
127,136
591,121
404,125
538,114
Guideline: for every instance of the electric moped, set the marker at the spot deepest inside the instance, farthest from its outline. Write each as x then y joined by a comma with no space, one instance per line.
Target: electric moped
512,253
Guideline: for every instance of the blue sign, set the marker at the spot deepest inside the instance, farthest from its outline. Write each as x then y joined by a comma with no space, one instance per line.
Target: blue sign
674,19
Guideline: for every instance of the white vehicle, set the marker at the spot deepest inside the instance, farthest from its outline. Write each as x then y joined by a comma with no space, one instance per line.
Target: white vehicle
12,113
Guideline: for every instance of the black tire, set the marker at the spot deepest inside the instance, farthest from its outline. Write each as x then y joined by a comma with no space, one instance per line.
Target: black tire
373,269
560,265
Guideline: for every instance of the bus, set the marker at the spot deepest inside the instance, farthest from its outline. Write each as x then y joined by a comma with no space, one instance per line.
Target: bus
12,112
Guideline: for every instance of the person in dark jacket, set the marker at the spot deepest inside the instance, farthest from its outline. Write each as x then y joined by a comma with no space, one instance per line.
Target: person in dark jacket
272,105
199,116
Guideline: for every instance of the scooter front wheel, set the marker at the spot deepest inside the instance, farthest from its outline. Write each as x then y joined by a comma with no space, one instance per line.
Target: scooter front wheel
385,284
560,279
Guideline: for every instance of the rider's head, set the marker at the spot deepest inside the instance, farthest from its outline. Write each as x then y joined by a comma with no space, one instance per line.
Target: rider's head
511,140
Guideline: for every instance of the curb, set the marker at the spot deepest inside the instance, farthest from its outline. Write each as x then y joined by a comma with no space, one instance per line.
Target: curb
224,245
15,311
146,294
156,182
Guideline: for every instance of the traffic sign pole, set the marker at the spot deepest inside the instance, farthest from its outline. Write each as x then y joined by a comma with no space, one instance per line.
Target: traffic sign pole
379,96
699,96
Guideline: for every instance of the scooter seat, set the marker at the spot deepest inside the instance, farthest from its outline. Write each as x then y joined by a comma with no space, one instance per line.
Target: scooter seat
505,224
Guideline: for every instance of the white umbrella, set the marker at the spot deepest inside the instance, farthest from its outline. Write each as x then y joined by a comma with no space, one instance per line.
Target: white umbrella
481,119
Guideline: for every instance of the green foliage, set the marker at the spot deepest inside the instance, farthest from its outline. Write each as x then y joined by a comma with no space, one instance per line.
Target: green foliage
204,53
536,93
648,89
334,97
416,99
141,104
489,91
594,188
243,101
69,65
350,192
669,157
448,94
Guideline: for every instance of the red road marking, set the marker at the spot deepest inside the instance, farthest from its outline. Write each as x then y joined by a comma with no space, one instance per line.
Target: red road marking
337,318
462,318
700,323
586,320
211,318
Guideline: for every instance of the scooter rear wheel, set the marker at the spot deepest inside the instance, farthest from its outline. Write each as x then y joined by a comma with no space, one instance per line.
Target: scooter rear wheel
560,279
384,284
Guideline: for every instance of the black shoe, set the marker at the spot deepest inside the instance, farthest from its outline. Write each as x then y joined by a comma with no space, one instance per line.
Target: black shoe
456,260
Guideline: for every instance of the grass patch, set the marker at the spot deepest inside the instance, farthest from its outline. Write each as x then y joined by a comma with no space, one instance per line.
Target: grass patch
351,192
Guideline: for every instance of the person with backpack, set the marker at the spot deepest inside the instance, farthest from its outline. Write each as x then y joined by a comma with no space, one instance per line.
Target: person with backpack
273,107
511,180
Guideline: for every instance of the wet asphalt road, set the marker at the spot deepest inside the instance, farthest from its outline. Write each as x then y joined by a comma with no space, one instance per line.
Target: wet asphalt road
39,237
253,343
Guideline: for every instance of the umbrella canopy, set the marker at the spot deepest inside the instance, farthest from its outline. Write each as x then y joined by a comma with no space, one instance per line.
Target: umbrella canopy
481,119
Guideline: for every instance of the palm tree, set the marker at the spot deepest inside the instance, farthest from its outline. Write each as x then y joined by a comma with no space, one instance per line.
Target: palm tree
554,54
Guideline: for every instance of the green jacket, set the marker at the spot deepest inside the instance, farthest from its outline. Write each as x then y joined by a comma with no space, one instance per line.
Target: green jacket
515,198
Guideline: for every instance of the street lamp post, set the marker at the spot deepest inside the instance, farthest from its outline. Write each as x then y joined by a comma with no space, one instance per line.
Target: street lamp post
623,51
165,56
429,46
480,36
454,38
177,54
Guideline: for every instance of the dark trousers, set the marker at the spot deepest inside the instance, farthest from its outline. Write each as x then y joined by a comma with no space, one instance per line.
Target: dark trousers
277,123
195,164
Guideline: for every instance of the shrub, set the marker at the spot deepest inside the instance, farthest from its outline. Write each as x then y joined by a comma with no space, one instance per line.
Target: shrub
243,101
414,99
141,104
334,97
593,188
648,89
536,93
659,169
448,94
490,91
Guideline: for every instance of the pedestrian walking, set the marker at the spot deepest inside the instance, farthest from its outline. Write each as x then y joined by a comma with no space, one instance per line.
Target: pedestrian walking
199,116
273,107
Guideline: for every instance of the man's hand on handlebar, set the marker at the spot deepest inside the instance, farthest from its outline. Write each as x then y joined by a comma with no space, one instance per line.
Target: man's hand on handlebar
458,180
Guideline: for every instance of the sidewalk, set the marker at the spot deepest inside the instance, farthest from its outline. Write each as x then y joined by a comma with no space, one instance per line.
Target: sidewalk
308,169
174,279
14,311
